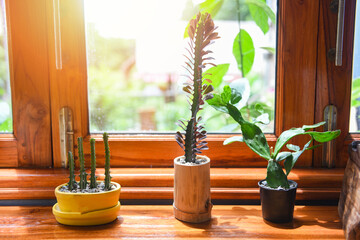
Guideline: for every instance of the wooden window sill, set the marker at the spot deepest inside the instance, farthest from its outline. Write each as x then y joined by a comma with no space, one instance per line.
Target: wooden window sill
158,222
156,183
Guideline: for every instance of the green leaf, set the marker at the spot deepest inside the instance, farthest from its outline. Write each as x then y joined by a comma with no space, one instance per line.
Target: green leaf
283,155
289,162
324,136
209,6
245,62
270,49
308,127
259,15
313,147
293,147
216,74
226,94
261,4
235,113
285,137
275,176
233,139
235,96
217,103
255,139
318,136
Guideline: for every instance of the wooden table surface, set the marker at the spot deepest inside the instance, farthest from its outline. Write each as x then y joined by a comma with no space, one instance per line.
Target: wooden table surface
157,222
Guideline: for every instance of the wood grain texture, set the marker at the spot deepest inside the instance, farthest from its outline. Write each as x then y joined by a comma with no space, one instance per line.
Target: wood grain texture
157,183
29,74
158,222
8,150
296,68
164,177
160,151
323,194
68,85
192,198
333,83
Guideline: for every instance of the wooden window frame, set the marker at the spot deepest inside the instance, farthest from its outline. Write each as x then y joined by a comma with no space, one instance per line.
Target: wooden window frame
39,90
30,143
303,70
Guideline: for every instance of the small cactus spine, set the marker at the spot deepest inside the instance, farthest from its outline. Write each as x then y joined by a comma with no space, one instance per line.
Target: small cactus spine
83,174
93,183
71,183
107,161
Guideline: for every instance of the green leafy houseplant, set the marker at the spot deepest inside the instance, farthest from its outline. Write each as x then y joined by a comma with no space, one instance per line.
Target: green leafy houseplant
83,202
256,141
192,201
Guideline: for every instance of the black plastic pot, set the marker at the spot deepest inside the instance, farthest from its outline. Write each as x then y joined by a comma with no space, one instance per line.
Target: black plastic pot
278,204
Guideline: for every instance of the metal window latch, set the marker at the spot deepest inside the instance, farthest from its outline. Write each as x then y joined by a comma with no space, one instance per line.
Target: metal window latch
66,134
340,33
329,150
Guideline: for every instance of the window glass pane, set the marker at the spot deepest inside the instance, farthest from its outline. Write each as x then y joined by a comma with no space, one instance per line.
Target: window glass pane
5,97
135,56
355,95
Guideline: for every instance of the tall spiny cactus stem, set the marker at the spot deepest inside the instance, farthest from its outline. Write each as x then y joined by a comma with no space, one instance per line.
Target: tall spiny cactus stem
93,183
71,183
107,162
83,174
201,33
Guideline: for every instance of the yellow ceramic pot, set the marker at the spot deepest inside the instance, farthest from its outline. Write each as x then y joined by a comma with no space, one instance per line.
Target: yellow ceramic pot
87,202
87,219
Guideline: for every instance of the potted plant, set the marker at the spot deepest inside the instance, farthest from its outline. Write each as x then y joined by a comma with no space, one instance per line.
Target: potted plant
83,202
277,193
192,201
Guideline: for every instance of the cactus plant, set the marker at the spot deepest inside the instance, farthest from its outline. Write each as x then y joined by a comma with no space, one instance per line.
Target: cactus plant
107,162
83,175
93,183
71,183
201,33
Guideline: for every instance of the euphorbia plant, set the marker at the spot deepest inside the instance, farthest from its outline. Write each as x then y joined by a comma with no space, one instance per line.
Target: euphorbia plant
201,33
83,183
256,141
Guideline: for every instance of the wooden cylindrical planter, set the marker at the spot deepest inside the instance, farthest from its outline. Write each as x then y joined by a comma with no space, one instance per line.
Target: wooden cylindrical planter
192,200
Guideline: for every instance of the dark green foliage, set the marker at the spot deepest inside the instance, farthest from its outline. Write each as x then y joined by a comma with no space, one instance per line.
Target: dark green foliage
71,183
201,32
83,175
107,162
256,141
93,183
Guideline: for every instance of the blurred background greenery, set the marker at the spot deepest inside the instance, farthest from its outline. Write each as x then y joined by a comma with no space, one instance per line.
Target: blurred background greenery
135,84
134,54
5,96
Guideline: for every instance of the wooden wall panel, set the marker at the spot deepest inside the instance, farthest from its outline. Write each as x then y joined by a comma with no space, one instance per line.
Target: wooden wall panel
296,67
334,83
30,81
68,86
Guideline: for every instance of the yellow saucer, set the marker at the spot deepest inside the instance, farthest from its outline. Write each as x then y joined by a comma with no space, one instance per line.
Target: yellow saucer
86,219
